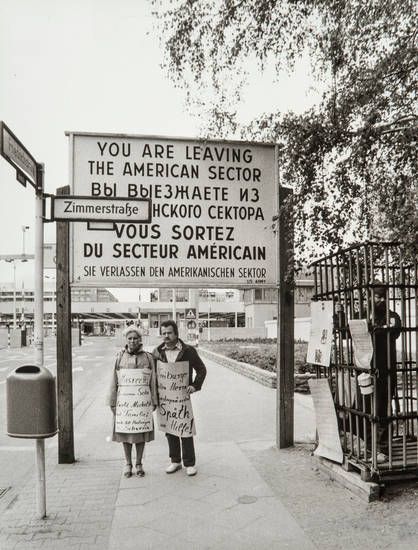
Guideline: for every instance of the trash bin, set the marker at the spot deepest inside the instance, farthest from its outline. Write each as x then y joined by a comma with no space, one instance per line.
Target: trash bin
31,403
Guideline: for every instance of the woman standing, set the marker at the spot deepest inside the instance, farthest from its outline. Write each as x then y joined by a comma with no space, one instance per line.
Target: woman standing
133,398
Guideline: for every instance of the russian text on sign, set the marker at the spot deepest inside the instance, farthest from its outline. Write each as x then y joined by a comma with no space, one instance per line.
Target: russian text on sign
211,208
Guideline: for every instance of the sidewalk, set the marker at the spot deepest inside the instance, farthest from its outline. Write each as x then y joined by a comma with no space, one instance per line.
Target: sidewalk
227,505
247,493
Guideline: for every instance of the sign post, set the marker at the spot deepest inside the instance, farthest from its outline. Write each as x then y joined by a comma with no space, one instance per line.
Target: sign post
28,170
63,343
191,318
213,206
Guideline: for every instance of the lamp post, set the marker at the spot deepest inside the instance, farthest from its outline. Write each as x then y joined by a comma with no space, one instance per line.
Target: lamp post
14,291
45,323
12,258
24,229
13,261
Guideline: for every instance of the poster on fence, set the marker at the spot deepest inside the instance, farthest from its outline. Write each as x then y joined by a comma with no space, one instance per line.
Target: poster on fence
362,342
174,413
134,405
329,443
320,339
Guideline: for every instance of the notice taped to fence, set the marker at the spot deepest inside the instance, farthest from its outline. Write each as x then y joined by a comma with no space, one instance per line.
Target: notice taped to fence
320,339
134,405
174,413
362,343
329,444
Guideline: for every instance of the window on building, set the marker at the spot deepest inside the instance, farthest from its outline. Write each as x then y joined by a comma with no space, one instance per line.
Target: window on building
258,294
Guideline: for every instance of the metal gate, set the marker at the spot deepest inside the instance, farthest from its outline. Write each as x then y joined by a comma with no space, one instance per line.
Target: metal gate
378,422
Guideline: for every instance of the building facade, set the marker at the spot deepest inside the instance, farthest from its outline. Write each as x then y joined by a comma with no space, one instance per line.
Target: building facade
99,312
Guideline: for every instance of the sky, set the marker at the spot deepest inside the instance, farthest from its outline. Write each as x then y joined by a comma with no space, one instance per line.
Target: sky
92,66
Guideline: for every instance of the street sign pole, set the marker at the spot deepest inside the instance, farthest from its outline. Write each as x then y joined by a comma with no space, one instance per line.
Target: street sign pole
39,267
39,329
28,170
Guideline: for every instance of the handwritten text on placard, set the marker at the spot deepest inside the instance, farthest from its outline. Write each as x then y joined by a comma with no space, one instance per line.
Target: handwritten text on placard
175,413
134,405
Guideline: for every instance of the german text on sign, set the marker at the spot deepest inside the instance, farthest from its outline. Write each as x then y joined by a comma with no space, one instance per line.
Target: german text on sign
16,153
71,208
134,404
211,213
174,413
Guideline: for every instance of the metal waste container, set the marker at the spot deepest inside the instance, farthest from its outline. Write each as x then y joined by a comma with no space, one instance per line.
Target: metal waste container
31,403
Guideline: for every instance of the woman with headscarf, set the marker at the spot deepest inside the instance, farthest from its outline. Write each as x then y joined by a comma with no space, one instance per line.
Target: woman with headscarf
133,398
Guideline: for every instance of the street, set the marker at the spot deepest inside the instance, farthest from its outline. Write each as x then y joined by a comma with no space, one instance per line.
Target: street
255,495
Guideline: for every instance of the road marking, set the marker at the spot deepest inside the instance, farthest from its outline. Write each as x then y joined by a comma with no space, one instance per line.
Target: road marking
78,369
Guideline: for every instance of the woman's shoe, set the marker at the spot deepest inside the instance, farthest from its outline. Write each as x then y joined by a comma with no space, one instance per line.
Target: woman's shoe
127,471
139,470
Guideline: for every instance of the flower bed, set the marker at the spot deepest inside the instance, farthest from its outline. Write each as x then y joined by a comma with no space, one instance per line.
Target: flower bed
261,353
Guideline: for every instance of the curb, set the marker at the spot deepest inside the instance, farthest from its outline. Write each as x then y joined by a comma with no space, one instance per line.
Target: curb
266,378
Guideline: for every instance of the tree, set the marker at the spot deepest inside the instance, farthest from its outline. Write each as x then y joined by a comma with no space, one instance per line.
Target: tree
352,159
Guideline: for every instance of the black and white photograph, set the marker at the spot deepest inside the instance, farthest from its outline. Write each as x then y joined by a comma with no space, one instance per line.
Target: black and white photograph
208,274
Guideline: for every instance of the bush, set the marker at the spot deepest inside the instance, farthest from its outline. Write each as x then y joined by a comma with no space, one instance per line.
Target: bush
260,352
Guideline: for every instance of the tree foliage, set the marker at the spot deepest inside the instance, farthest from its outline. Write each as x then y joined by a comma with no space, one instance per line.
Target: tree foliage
352,159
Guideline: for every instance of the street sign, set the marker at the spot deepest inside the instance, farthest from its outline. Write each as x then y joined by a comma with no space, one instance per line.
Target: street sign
213,203
87,208
190,313
17,155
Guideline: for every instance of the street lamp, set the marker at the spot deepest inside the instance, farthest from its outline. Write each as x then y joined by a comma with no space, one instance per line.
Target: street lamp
24,259
12,260
24,229
53,330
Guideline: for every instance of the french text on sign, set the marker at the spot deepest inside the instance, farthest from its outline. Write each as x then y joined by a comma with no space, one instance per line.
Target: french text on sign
79,208
212,203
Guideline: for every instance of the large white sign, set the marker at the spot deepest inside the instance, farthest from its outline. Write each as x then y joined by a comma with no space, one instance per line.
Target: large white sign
211,214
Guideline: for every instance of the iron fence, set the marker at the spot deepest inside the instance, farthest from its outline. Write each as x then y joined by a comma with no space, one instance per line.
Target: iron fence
375,282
